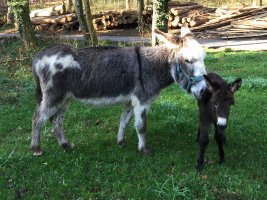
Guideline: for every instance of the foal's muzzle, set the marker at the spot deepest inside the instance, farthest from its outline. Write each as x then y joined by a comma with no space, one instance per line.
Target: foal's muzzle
222,127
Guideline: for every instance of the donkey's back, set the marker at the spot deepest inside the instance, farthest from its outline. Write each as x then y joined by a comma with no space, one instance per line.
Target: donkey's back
108,73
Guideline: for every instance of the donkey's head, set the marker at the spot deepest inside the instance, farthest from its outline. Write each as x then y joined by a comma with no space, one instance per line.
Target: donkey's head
186,60
222,97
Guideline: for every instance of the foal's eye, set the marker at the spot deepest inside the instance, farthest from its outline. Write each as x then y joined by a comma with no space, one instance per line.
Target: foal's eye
215,104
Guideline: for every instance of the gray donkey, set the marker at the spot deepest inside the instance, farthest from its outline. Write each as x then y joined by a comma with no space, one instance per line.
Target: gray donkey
132,76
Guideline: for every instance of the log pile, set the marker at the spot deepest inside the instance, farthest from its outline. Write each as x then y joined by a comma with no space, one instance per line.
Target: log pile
114,19
56,18
221,22
180,14
240,23
51,11
185,14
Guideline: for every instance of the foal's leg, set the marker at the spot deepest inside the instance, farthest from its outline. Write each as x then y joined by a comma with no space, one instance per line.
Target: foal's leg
42,114
57,121
198,135
220,139
140,114
125,119
203,143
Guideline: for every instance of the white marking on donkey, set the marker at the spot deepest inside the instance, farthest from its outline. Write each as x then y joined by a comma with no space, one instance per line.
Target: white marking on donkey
132,76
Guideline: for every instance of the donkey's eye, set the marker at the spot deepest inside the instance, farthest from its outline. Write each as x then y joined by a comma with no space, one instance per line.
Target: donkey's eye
188,61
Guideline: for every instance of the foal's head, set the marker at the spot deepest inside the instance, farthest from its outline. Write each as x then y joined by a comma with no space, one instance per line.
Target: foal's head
187,60
222,97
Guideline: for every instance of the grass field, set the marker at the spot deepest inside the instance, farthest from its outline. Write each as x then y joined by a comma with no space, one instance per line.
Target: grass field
98,169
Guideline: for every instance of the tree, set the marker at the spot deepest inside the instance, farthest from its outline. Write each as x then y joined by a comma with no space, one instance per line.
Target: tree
140,8
160,17
69,5
89,23
86,22
81,19
21,11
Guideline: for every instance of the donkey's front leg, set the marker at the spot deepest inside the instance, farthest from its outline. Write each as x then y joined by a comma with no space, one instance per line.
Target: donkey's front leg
140,114
203,142
125,119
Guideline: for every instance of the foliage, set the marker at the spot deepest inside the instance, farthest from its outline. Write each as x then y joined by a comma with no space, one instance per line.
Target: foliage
21,12
98,169
18,8
162,10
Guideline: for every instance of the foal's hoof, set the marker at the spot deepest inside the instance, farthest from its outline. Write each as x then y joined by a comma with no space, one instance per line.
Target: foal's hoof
200,167
146,151
37,151
67,146
221,161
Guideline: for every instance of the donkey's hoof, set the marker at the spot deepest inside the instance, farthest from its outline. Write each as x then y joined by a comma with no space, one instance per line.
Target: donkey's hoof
121,143
68,146
37,150
146,151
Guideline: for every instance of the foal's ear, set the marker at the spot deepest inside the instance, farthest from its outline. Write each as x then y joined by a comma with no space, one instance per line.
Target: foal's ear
211,84
166,38
234,86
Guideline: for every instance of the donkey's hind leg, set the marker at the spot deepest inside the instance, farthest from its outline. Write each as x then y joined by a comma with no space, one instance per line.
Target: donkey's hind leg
140,114
124,121
42,114
57,121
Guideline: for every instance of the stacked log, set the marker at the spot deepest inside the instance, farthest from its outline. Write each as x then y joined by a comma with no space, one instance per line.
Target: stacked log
223,22
51,11
249,26
180,14
53,22
115,19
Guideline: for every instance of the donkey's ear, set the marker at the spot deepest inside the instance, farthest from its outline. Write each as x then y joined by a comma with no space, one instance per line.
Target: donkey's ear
211,84
185,31
166,38
234,86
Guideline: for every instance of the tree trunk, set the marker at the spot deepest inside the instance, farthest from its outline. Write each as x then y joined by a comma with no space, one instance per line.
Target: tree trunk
127,4
22,14
140,8
69,5
89,23
81,19
160,17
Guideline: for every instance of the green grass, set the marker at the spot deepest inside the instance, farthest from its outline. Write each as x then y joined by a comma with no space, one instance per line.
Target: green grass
98,169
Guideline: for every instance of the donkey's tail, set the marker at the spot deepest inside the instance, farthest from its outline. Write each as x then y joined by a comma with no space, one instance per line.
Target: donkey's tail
38,90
